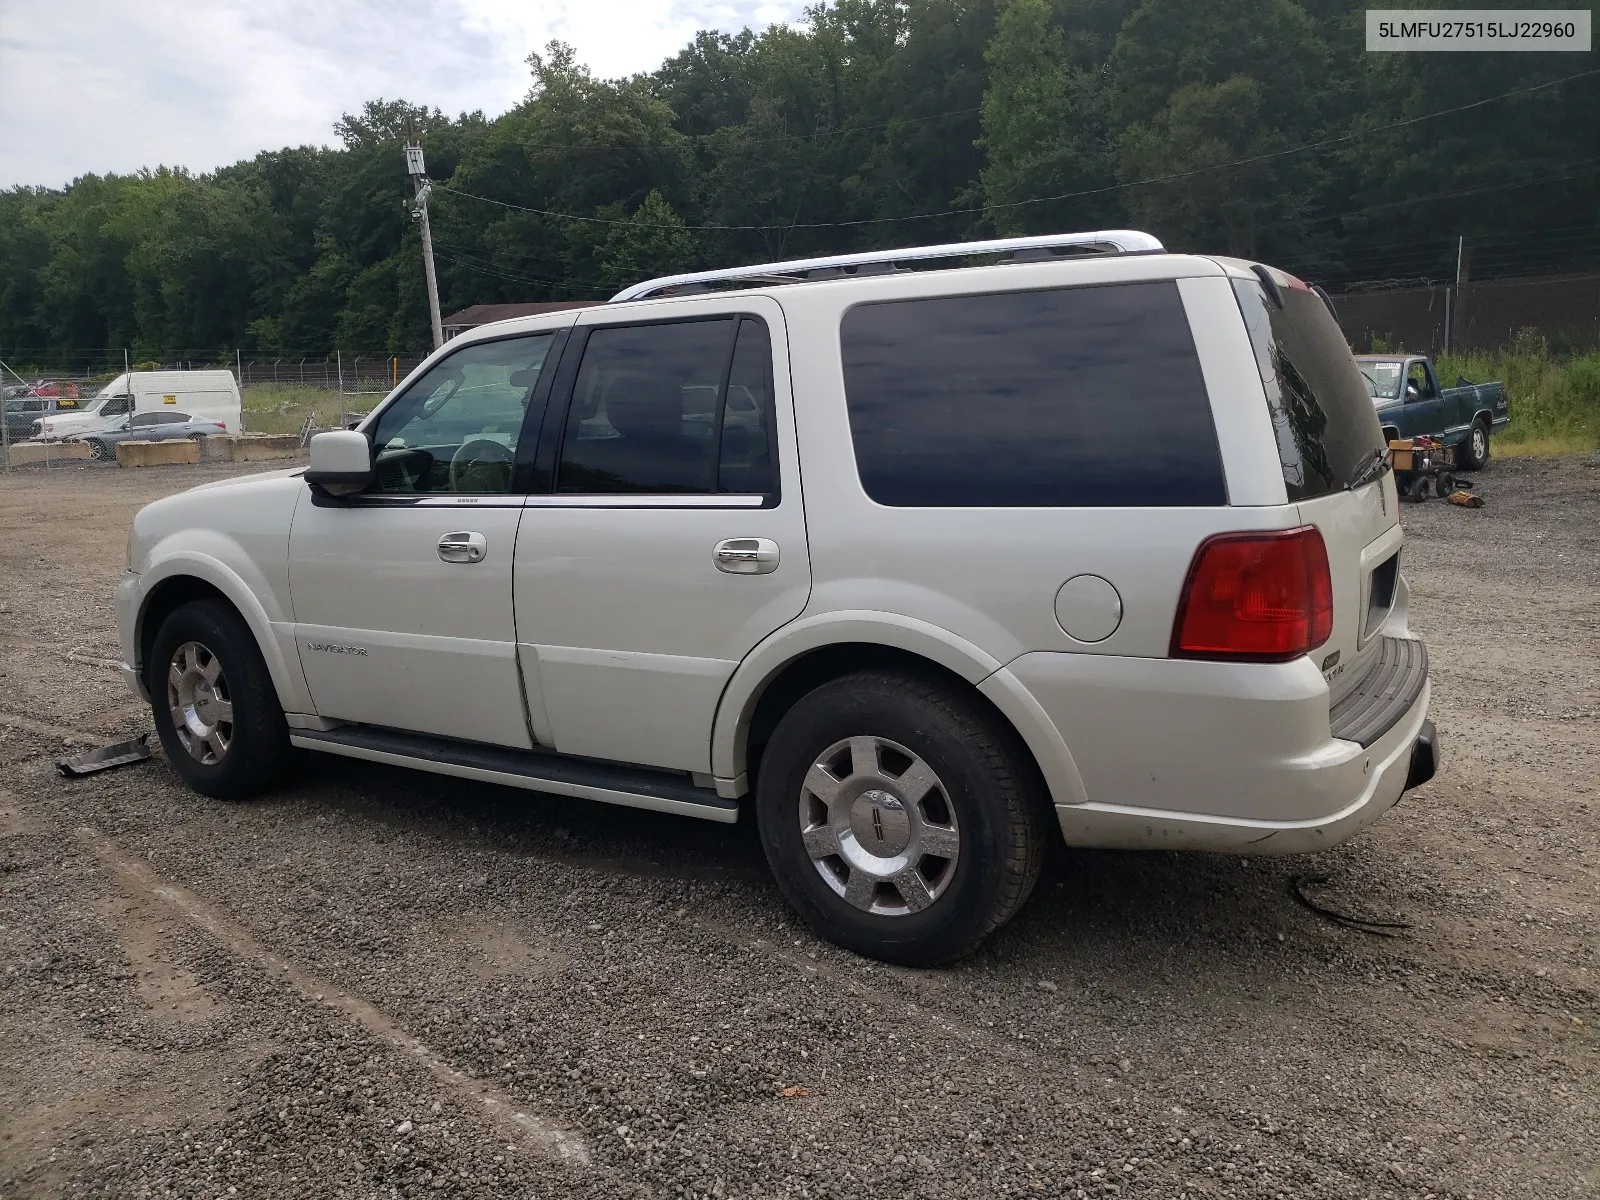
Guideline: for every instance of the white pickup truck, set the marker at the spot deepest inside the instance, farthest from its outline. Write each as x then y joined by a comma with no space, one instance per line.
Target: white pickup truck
925,562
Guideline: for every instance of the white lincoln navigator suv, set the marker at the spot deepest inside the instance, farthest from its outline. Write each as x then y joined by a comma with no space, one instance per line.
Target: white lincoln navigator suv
926,556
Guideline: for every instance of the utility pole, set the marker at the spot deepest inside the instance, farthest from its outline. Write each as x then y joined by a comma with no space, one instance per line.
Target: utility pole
424,185
1461,276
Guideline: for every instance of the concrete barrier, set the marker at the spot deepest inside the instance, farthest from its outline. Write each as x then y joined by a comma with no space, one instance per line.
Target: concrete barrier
157,454
259,447
23,453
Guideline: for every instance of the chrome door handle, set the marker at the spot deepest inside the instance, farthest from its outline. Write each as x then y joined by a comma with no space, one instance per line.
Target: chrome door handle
464,547
746,556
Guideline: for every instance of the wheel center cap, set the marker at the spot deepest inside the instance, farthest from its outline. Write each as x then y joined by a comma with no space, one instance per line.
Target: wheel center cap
880,823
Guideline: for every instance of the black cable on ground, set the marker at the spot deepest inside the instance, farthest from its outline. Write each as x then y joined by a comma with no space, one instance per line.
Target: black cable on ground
1387,929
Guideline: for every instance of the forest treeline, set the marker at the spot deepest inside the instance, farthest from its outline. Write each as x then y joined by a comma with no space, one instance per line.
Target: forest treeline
1254,127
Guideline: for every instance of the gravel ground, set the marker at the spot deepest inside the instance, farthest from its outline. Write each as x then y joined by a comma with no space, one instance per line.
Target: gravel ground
380,983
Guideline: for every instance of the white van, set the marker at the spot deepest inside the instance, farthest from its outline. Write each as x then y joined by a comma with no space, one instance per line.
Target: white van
210,395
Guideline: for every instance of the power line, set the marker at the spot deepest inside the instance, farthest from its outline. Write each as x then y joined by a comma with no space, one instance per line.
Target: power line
1114,187
470,257
513,276
1493,187
773,140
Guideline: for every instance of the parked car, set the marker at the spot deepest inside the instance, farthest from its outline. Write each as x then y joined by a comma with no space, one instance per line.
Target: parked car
926,567
24,408
211,395
1405,388
150,427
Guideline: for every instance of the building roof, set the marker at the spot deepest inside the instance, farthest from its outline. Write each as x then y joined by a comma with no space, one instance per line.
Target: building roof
483,314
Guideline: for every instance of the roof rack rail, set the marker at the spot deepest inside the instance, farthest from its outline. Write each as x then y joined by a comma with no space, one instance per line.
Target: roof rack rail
874,262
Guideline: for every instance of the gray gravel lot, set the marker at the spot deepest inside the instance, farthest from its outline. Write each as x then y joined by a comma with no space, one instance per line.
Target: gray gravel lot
381,983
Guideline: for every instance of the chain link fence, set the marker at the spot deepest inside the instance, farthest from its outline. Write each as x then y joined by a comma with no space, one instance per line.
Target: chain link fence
279,395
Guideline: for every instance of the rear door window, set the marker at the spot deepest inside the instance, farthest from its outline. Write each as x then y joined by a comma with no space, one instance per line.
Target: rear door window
680,407
1322,412
1075,397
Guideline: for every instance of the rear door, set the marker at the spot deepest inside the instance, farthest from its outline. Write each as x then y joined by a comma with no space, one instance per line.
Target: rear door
1330,445
670,537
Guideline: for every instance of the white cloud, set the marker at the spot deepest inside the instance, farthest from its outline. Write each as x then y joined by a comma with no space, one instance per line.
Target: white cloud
115,85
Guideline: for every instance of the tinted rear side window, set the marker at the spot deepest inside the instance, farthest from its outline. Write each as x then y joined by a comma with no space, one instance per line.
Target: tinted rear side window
1077,397
1322,412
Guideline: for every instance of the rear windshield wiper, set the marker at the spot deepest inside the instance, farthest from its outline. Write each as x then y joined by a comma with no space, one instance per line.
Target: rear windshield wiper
1368,469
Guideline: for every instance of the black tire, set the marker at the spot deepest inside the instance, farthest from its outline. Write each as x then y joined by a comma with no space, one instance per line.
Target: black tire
986,791
257,752
1474,455
97,449
1418,491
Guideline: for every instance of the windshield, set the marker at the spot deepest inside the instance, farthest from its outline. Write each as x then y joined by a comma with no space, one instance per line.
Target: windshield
1326,426
1383,378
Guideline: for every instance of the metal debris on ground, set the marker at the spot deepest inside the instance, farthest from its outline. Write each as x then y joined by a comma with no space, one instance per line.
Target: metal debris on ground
103,758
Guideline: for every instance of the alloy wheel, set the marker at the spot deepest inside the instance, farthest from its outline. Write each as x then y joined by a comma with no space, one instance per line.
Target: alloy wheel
200,703
878,826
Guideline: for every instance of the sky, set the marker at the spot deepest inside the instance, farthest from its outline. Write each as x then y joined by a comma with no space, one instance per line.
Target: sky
114,85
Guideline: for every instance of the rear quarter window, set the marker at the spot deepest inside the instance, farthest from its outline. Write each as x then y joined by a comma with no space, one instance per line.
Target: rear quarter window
1080,397
1322,412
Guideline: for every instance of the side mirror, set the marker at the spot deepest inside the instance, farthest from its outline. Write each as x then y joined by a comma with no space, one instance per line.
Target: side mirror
341,462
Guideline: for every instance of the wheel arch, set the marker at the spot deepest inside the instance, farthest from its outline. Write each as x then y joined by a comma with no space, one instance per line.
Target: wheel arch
183,581
804,656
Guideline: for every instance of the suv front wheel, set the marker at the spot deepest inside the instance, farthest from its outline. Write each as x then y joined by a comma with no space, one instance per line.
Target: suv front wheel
213,702
900,820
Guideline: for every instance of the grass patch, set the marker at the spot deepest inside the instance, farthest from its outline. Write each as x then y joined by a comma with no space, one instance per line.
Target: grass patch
284,407
1555,402
1538,447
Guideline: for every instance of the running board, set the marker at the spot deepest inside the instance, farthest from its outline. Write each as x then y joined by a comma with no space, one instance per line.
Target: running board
538,771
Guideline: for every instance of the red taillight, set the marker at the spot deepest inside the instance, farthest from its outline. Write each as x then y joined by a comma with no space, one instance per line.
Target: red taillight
1261,596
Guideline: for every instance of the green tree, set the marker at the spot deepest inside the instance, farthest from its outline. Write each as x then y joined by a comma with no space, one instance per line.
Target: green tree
652,242
1044,129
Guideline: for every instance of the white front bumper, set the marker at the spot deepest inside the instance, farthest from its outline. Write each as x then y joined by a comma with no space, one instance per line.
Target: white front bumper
128,596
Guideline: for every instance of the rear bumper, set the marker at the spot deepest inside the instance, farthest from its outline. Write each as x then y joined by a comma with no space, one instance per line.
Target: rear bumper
1424,757
1215,756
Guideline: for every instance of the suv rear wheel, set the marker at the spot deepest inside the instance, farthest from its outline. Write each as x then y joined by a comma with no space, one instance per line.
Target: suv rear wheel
214,705
899,820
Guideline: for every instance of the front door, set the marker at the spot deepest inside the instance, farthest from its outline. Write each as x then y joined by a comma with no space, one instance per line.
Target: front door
1424,408
402,595
672,537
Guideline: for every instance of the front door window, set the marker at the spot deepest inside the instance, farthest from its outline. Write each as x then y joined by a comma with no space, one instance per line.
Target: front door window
455,430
